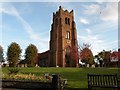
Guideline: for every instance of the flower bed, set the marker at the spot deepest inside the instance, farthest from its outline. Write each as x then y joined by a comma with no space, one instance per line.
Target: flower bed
26,77
31,81
25,81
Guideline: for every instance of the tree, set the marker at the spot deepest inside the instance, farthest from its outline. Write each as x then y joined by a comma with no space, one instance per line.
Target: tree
1,54
13,54
74,55
86,54
31,54
101,57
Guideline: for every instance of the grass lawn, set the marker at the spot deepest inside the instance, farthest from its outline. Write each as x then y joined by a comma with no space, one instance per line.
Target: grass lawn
77,77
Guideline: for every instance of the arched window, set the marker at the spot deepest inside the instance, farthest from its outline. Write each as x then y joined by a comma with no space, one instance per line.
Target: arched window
65,20
67,35
68,21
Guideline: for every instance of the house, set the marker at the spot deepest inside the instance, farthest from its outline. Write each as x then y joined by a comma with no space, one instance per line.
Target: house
111,59
114,59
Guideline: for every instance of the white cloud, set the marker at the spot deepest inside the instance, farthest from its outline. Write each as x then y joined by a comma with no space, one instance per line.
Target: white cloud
88,31
11,10
1,9
96,43
110,12
102,1
84,21
104,27
106,11
91,9
95,32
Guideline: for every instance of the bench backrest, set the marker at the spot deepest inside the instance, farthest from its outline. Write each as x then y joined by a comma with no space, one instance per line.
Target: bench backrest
103,80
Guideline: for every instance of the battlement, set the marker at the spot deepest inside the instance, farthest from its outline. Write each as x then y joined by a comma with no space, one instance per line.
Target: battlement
63,11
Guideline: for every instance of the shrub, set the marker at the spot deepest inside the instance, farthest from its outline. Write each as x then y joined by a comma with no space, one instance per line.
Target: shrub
24,77
13,70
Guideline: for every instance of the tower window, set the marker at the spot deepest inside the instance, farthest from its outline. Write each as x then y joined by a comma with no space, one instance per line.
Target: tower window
67,35
68,21
65,20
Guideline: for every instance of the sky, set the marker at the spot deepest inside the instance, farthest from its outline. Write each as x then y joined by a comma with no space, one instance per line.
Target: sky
30,23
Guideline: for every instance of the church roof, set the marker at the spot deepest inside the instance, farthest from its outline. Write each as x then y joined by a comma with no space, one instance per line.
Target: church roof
43,55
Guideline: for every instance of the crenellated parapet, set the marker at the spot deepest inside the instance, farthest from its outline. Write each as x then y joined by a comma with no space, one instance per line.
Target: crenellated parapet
61,11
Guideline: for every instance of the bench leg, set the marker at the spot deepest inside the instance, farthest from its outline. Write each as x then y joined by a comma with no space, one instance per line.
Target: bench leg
89,88
118,88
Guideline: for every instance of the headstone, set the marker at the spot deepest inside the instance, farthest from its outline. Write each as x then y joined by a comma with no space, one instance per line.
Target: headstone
93,66
88,65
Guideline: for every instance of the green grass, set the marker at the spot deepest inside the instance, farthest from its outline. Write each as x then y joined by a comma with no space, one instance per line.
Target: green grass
77,77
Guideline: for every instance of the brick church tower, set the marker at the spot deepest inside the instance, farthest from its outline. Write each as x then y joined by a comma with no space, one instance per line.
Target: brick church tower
62,37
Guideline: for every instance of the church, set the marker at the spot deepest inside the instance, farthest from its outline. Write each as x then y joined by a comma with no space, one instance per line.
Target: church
63,36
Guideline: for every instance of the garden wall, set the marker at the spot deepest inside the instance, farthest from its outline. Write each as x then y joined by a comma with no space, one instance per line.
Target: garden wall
55,84
26,84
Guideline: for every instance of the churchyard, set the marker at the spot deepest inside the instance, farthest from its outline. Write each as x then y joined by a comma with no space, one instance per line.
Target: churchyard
76,77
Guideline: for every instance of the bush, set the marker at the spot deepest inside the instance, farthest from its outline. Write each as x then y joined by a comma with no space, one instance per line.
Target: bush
13,70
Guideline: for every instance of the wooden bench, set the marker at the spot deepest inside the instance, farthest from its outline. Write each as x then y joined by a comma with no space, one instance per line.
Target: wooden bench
103,81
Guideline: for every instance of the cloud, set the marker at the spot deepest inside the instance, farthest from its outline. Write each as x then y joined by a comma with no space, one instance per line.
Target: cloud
105,11
11,10
91,9
84,21
110,12
88,31
104,27
97,30
97,44
102,1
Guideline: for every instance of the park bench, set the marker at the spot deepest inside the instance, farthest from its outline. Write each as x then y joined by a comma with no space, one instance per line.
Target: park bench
103,81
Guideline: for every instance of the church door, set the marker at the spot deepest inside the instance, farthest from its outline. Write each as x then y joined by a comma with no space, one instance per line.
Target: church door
67,57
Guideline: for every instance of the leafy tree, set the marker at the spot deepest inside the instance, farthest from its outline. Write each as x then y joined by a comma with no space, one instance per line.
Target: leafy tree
13,54
102,54
86,54
1,54
101,57
31,54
